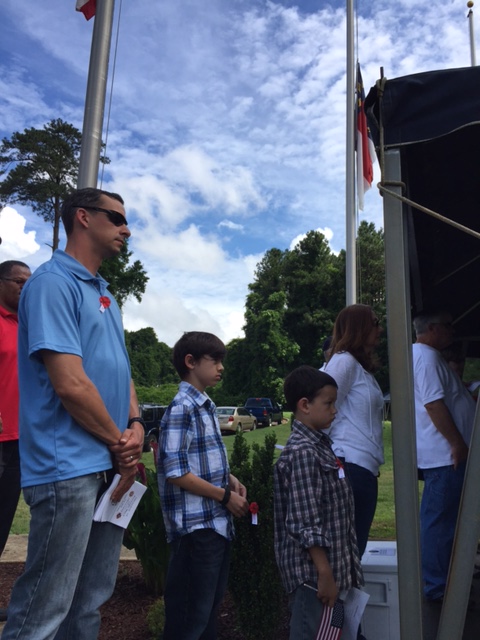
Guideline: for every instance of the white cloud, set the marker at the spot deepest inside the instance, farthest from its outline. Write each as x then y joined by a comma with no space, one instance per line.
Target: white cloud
16,243
178,301
219,186
226,132
157,203
327,232
168,314
228,224
186,250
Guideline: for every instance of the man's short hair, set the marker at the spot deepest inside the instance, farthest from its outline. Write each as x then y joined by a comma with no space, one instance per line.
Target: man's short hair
7,267
427,317
305,382
198,344
82,198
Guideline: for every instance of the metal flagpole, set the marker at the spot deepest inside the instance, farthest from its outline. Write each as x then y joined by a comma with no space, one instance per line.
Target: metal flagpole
473,55
403,407
350,217
95,97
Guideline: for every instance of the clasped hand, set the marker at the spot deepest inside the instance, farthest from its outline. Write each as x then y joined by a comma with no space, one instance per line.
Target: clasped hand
127,452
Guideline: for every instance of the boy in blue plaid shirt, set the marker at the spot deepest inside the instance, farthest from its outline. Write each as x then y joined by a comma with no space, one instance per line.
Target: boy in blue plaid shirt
198,493
315,543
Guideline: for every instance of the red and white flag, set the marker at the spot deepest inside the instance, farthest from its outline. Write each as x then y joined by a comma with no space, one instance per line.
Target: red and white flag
364,144
87,7
331,623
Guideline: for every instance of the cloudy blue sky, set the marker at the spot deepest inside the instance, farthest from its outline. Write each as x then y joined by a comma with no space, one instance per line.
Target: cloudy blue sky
227,130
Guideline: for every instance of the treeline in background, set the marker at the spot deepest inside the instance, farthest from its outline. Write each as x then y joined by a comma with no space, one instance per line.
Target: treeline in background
289,312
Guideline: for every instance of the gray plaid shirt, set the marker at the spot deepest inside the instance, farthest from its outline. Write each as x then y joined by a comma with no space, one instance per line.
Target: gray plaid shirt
313,508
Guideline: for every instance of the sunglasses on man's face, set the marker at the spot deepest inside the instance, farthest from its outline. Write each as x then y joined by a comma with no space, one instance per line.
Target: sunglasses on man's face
115,217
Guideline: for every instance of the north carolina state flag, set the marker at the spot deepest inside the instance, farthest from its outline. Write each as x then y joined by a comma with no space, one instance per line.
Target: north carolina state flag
87,7
364,144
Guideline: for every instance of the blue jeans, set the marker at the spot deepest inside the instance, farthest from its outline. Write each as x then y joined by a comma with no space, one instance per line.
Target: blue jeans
438,519
306,611
196,583
365,493
71,564
9,487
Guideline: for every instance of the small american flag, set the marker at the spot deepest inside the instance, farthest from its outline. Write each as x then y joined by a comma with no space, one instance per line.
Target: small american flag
331,623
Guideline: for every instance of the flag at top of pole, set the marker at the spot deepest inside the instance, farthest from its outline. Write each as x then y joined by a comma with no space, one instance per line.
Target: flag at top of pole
364,144
87,7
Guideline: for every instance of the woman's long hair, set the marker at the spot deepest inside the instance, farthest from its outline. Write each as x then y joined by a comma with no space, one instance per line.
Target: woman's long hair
351,331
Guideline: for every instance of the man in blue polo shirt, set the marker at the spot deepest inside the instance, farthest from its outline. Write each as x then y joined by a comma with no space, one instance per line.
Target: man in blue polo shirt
78,422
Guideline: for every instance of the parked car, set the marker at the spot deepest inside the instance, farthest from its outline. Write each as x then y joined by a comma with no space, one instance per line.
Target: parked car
235,419
152,415
265,410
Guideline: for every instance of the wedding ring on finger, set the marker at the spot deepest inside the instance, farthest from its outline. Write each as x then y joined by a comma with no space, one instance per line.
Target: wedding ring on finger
131,458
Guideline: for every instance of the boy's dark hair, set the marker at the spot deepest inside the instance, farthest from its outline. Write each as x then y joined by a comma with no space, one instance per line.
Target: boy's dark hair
198,344
305,382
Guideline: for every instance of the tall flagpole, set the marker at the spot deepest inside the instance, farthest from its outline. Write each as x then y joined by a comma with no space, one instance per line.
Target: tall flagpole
473,55
350,216
95,97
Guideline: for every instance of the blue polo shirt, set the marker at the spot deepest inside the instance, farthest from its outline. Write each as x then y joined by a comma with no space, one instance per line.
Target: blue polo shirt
60,310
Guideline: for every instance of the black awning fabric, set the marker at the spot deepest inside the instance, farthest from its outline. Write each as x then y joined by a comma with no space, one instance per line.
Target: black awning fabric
434,120
424,106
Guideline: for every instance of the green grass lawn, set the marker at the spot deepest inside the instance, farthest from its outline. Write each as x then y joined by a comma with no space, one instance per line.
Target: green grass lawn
383,527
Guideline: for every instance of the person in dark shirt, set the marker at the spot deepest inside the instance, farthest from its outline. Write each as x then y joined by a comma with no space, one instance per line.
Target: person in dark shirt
315,542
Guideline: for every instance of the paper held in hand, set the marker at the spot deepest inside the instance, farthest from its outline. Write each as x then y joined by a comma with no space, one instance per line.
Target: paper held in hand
121,512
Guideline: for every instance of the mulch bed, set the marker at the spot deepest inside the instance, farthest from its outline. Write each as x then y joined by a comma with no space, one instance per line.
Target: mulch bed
124,615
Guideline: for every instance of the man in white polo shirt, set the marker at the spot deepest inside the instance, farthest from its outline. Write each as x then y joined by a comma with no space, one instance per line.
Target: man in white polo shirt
444,412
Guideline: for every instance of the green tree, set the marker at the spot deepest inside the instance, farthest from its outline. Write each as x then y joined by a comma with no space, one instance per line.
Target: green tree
256,364
162,394
271,349
254,579
371,266
124,279
150,360
291,308
235,386
269,278
39,167
371,288
315,286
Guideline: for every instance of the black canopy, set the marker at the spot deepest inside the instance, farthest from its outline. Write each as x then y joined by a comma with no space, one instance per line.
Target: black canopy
434,120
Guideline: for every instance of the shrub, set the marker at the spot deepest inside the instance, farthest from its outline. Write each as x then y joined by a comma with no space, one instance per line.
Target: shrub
254,581
156,618
146,533
163,394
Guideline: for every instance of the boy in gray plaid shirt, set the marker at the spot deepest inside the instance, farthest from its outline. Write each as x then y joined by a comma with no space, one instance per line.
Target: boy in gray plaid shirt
315,543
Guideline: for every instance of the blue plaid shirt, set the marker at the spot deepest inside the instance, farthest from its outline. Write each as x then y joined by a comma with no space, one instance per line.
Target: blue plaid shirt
313,508
190,442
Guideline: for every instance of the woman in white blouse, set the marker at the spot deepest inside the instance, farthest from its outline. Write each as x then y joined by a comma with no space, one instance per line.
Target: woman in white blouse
357,431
